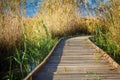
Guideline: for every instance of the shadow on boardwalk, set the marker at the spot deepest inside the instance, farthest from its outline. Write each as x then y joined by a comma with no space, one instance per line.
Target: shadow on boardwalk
50,68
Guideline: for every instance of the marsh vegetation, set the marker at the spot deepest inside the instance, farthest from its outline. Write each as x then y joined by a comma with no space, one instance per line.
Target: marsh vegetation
25,41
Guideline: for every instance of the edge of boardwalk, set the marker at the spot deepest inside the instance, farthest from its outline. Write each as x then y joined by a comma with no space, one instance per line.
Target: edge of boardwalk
34,71
113,63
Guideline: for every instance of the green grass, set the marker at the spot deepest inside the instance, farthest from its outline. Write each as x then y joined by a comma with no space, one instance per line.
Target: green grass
29,57
102,40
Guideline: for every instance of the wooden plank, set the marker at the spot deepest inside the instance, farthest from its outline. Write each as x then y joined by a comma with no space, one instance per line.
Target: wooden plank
77,51
76,69
81,65
75,76
78,47
77,57
76,62
72,54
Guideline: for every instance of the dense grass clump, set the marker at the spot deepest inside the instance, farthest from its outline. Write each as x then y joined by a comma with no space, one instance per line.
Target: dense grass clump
62,17
24,42
28,57
107,33
21,54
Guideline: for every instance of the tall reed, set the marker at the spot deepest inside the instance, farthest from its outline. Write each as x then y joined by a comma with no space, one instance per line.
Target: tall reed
107,34
62,17
24,42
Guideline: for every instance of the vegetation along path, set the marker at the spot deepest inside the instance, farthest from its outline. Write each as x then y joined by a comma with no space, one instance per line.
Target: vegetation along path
76,59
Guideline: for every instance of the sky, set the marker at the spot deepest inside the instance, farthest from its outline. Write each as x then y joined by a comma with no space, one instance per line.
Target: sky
31,8
33,5
89,7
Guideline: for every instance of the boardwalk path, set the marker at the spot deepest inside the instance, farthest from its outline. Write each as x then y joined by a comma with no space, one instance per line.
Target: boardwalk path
76,59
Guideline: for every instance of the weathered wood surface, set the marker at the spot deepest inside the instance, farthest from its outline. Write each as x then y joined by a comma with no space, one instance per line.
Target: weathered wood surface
76,59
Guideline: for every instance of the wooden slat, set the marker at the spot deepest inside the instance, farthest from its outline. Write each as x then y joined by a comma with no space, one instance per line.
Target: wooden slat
76,76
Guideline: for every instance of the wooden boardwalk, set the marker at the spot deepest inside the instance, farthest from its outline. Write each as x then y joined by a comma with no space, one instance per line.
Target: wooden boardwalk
76,59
